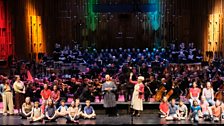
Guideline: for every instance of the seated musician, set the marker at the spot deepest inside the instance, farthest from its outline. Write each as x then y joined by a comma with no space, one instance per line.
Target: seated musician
87,94
164,84
194,93
182,111
153,84
64,92
97,91
164,108
195,111
208,93
215,111
204,107
173,111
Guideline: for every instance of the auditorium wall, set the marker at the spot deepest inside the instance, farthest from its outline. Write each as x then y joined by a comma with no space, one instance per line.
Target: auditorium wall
69,21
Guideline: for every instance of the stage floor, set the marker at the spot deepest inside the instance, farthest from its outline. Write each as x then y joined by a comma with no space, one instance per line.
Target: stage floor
145,119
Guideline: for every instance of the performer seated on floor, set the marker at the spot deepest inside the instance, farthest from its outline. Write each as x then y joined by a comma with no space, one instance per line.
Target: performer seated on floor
89,112
222,108
50,111
173,111
204,107
43,106
195,111
26,108
164,108
182,111
74,113
215,111
62,110
77,103
36,114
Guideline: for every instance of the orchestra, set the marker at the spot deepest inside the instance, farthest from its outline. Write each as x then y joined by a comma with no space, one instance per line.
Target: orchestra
156,82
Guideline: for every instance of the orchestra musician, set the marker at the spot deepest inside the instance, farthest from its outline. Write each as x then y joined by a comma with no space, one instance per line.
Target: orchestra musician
150,87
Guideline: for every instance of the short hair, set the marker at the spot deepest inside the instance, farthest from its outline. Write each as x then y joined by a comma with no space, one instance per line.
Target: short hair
62,101
36,102
181,101
88,100
27,98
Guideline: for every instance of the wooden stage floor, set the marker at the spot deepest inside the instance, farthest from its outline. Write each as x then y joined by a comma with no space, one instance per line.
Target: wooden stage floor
145,119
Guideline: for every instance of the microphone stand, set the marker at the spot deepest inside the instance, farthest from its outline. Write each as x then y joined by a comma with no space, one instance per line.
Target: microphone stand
132,116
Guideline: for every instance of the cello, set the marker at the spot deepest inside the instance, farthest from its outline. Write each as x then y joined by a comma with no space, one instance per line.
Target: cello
159,93
219,93
171,90
169,93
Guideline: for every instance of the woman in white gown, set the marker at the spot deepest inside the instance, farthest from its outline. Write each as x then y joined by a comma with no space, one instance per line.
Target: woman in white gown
138,95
